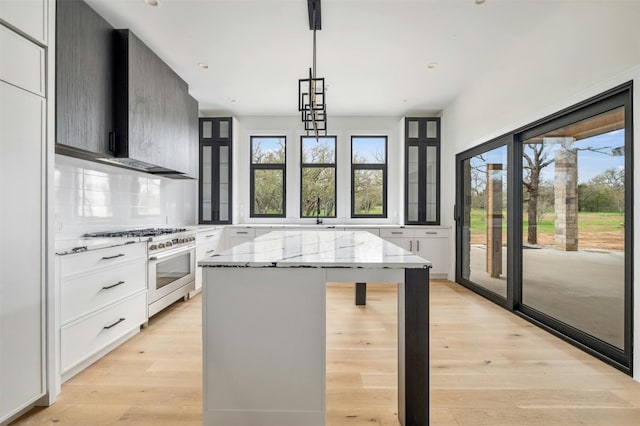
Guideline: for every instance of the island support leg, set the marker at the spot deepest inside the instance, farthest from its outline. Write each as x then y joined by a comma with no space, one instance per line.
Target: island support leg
361,294
413,348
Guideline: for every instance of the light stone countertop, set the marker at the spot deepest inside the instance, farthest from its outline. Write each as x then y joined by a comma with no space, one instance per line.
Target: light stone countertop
79,245
319,249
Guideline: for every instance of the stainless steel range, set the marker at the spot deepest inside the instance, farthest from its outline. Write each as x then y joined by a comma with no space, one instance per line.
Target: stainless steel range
171,265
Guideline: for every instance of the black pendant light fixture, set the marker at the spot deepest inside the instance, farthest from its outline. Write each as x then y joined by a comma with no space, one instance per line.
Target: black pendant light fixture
311,91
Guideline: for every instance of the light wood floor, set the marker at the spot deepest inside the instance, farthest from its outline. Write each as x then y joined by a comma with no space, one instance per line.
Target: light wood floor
488,367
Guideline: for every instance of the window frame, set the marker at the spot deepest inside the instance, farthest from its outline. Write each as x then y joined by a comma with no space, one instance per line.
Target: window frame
267,166
370,166
333,165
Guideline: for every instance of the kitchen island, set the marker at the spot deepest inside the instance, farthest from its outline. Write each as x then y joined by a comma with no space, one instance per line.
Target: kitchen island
264,325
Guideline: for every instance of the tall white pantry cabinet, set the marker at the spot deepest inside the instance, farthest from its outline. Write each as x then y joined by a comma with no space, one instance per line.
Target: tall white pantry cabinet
24,114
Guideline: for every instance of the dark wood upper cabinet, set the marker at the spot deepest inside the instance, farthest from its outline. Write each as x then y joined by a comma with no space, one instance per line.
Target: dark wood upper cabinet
84,80
117,101
155,119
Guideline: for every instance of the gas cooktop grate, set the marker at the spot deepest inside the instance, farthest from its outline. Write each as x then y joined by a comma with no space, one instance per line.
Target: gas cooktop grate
147,232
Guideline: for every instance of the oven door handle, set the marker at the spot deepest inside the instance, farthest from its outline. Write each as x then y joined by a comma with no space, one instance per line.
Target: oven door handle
171,253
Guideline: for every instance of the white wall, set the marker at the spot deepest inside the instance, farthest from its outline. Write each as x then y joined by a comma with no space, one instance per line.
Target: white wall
584,49
292,128
93,197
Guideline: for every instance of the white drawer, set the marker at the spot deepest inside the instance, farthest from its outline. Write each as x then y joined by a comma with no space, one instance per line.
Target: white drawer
431,233
88,292
22,62
241,232
374,231
72,264
81,339
396,233
207,243
206,251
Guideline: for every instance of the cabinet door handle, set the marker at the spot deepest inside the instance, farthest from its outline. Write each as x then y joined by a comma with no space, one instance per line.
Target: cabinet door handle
242,232
209,251
417,245
106,327
410,245
112,141
107,287
209,236
396,232
112,257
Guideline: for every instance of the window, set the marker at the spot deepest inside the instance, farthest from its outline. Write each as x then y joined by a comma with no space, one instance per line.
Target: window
268,176
318,176
369,176
215,170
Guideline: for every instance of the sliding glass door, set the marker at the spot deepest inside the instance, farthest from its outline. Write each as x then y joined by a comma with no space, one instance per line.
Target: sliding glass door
553,201
575,181
483,249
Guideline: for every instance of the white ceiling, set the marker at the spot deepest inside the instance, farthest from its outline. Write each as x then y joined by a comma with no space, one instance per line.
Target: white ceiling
373,54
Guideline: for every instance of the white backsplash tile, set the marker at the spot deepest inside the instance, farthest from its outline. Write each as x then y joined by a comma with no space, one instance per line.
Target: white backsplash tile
93,197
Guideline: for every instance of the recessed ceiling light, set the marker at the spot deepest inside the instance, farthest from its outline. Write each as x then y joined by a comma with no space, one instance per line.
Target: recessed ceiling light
151,2
432,65
203,65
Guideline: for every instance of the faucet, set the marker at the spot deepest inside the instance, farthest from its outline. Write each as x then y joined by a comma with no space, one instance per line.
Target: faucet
318,220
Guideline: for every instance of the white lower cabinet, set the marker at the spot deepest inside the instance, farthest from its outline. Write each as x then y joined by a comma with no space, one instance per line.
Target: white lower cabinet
207,243
87,336
430,243
239,235
103,300
88,292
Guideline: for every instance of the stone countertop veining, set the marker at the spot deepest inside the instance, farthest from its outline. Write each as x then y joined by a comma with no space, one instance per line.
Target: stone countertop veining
202,228
79,245
320,249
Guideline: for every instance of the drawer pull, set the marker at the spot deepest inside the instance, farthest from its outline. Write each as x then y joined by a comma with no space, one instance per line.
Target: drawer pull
210,251
242,232
112,257
106,327
107,287
431,233
418,245
397,232
209,236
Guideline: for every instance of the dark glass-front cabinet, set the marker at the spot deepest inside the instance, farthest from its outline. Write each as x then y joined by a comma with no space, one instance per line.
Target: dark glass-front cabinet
422,171
215,170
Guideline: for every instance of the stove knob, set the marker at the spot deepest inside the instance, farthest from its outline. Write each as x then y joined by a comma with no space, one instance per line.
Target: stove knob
153,247
161,245
181,240
168,244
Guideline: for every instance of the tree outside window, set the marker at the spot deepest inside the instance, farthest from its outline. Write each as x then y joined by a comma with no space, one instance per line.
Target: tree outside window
369,176
318,177
268,176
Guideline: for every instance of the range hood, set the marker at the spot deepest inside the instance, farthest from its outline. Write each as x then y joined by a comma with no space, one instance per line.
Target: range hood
156,120
141,166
